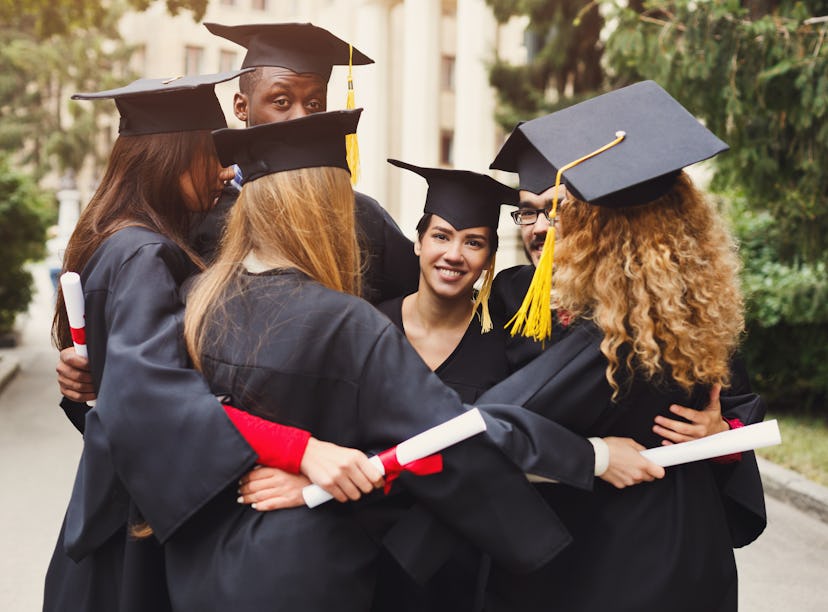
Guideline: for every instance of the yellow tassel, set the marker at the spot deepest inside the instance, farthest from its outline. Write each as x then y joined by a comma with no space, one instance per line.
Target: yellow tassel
534,317
483,298
351,142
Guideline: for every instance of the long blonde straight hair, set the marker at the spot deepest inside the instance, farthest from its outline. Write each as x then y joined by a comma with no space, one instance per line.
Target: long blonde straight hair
661,282
302,219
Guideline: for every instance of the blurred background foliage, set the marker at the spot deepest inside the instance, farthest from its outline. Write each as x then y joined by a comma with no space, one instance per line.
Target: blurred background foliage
756,72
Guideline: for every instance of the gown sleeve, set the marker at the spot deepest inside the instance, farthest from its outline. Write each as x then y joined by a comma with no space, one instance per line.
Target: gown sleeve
739,481
392,267
171,443
480,493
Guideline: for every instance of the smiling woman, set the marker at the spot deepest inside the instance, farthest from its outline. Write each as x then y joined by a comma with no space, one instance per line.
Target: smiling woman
450,328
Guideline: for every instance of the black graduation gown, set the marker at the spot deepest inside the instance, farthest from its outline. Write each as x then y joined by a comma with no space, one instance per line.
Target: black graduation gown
664,545
477,363
295,352
739,482
391,268
157,446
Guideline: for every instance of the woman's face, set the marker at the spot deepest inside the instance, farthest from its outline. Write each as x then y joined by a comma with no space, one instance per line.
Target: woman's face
202,194
452,260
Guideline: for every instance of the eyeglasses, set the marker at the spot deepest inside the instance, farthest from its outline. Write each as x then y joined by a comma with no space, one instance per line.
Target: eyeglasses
529,216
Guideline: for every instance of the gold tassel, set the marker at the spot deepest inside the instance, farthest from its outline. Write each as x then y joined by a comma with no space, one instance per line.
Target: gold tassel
351,142
483,298
534,317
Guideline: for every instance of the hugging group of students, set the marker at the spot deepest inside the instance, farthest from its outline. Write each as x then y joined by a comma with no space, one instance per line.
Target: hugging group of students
254,325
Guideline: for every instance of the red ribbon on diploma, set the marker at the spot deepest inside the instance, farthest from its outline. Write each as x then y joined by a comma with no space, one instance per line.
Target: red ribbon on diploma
78,335
433,464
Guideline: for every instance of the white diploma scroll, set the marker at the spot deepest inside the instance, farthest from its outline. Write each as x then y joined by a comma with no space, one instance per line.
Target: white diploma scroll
737,440
422,445
73,299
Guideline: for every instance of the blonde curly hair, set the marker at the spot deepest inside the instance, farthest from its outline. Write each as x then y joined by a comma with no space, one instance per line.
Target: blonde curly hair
661,282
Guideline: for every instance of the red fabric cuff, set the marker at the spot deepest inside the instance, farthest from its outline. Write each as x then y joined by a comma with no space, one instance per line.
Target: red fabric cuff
278,446
733,457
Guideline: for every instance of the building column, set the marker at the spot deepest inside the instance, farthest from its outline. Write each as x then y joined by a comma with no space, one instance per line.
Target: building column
475,130
370,35
420,137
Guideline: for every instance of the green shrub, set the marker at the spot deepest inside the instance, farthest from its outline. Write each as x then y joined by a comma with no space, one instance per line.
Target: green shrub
24,214
786,347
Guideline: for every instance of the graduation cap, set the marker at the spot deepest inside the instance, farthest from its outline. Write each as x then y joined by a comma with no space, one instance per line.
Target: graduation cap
179,104
300,47
463,198
466,199
312,141
623,148
518,155
661,138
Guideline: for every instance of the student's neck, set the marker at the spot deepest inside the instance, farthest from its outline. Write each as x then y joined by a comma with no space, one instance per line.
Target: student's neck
432,312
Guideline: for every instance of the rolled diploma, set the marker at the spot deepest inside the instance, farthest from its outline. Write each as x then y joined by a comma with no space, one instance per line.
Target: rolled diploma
73,299
738,440
422,445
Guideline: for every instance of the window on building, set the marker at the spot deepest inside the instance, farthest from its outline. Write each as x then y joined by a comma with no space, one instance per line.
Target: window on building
193,57
227,61
447,148
447,64
259,5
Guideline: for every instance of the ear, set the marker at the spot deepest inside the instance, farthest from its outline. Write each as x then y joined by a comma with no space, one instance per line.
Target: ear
240,106
417,247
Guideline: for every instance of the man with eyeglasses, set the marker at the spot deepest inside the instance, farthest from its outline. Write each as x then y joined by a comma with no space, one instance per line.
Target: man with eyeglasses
532,217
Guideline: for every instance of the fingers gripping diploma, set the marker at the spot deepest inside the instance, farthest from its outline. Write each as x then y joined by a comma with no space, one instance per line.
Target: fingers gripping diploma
697,423
343,472
74,378
626,465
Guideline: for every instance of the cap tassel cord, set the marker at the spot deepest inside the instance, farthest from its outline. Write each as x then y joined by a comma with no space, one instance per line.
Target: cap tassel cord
351,142
483,298
534,317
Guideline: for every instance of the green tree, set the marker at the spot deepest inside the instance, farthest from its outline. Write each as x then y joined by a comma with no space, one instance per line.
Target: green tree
25,212
564,66
760,81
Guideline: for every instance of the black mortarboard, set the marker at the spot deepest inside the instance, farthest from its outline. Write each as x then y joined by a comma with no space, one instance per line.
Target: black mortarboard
463,198
180,104
301,47
518,155
311,141
661,138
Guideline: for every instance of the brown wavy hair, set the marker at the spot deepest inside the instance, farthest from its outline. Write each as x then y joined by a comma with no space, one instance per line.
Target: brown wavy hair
301,219
661,282
141,187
